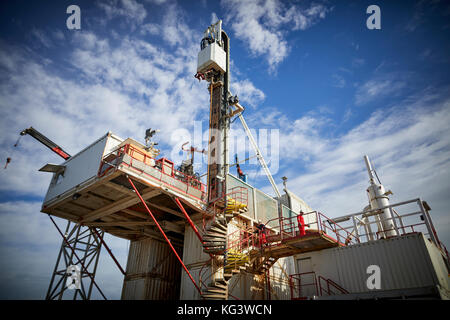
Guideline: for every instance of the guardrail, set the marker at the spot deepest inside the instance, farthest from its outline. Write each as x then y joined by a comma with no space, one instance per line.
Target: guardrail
307,284
163,170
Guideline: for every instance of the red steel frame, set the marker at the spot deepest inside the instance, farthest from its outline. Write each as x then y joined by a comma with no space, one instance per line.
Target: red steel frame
76,256
191,223
109,251
164,235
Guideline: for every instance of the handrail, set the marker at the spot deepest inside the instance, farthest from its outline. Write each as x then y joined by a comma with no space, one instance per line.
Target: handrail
332,283
298,277
317,283
159,165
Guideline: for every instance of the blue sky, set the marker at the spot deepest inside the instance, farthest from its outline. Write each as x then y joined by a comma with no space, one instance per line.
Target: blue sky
332,89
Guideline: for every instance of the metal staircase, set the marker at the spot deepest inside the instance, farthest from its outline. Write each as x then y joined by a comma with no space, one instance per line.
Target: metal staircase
215,241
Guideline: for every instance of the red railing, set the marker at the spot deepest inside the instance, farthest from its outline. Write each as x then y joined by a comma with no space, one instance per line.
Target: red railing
163,166
203,273
239,194
288,229
331,288
307,284
314,222
301,289
240,240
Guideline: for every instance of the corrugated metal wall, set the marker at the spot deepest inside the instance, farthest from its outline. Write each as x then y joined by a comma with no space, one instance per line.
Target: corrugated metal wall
153,272
404,263
193,254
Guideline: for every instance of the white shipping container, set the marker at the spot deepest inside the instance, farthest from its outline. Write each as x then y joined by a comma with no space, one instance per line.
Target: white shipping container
81,169
405,262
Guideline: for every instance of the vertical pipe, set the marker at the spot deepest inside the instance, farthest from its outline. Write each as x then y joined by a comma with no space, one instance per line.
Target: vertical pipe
369,168
428,224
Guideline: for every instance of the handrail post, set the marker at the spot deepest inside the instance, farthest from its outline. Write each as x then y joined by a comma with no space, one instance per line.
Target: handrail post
427,223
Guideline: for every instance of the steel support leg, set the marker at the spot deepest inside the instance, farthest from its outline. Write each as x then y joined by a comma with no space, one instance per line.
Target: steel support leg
76,240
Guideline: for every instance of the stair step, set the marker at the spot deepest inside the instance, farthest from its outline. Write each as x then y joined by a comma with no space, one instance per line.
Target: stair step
214,244
214,248
220,220
213,251
219,225
218,284
216,290
220,281
214,229
213,238
214,296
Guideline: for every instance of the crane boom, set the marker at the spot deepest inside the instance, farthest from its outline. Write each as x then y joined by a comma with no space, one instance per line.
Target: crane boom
46,142
259,156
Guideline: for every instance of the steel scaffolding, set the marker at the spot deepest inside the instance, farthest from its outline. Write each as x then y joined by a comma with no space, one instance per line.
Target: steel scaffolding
80,250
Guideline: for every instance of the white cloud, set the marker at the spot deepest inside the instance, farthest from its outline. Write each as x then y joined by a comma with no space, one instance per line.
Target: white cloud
176,32
338,81
259,24
150,28
247,92
358,62
125,88
214,18
133,11
42,37
29,245
409,145
59,35
378,87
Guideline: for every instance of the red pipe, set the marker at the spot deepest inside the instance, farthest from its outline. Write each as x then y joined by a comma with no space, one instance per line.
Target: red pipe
188,219
79,260
109,251
165,237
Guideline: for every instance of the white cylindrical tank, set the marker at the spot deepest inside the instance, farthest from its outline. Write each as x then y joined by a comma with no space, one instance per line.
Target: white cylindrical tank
379,199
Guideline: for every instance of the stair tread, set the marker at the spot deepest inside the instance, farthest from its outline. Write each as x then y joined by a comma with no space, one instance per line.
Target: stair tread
216,290
216,229
222,226
217,284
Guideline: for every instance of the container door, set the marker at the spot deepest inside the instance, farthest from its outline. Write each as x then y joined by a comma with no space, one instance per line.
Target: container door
306,281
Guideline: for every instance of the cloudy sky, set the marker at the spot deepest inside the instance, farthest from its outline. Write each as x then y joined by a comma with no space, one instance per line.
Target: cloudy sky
309,72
